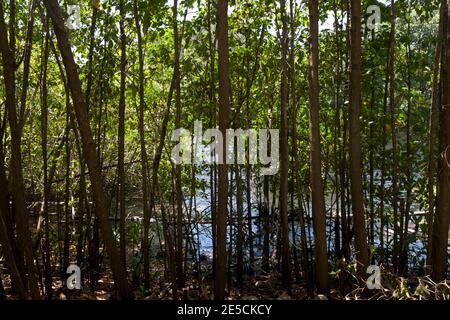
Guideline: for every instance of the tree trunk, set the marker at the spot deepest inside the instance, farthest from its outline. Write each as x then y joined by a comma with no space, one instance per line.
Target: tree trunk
224,122
46,185
212,110
11,261
318,201
358,209
392,107
432,137
240,225
284,158
293,109
337,134
403,262
66,245
441,222
26,62
89,148
230,229
266,208
178,189
372,149
83,204
144,157
387,84
24,238
121,135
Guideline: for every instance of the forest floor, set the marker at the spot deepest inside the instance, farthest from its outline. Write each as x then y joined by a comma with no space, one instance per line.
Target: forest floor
345,285
260,288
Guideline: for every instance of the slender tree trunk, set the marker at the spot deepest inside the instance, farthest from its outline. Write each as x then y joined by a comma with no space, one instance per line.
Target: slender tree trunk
66,245
26,62
266,227
345,176
372,148
318,201
392,107
44,134
432,137
89,148
231,228
12,29
249,216
248,173
144,157
212,102
24,238
294,243
240,225
5,208
266,206
121,135
358,209
337,134
384,141
293,109
178,189
7,239
224,122
11,261
442,216
286,257
345,222
403,263
83,204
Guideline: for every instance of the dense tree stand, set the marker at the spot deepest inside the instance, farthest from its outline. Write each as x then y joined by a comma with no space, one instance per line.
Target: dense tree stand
216,149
